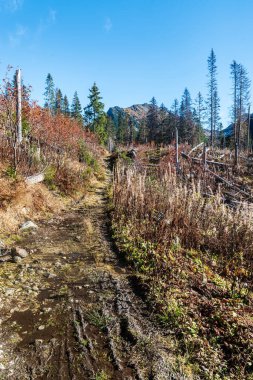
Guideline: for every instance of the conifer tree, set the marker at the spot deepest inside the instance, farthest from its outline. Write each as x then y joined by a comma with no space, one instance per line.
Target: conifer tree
95,108
49,93
76,108
152,119
58,101
143,132
110,127
121,133
200,109
213,101
66,106
163,121
175,107
132,132
241,96
186,117
94,114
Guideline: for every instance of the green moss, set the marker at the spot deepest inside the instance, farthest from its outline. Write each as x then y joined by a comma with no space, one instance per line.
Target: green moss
11,172
101,375
49,179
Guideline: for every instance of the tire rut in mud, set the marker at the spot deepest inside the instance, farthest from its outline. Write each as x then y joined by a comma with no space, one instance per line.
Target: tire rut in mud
86,321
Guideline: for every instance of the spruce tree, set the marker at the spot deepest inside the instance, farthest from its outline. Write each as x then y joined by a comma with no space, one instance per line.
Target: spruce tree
163,121
186,118
94,114
200,109
49,93
110,128
58,101
76,108
121,133
153,120
95,108
143,132
65,109
132,131
241,96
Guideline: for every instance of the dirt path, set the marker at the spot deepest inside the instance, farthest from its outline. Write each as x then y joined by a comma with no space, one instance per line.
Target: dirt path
71,311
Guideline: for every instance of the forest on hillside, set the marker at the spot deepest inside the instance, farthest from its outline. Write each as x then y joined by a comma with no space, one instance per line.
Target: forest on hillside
197,119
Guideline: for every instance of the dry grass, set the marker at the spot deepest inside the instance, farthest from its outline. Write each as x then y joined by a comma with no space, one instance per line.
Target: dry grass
197,255
19,202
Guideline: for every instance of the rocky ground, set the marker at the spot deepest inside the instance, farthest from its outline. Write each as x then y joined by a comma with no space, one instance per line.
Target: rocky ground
70,310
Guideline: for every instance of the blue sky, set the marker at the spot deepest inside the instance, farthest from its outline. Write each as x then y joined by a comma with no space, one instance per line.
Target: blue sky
133,49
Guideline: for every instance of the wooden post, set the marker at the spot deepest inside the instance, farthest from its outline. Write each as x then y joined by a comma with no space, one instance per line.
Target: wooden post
19,106
176,146
110,145
248,142
236,154
204,156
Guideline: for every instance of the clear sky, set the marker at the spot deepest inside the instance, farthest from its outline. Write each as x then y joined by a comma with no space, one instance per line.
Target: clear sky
133,49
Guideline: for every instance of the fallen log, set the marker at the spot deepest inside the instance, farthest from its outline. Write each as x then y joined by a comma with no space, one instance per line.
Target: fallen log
230,184
36,178
199,160
196,147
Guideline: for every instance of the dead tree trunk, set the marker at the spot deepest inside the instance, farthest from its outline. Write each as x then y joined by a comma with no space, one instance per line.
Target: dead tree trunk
19,106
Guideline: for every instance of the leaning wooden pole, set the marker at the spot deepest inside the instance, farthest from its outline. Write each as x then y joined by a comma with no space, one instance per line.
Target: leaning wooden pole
204,156
236,155
19,107
248,142
176,146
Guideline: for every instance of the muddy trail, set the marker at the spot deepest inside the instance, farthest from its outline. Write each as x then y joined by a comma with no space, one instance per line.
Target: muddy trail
70,310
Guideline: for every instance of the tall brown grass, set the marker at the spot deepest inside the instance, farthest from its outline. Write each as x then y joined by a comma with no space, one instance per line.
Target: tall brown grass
163,209
197,255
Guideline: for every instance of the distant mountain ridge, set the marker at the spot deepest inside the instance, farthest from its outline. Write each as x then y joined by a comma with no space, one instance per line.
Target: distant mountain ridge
136,112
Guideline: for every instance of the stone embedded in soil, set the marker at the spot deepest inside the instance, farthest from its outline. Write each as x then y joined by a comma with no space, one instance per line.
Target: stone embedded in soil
29,225
42,327
17,259
50,275
5,258
9,292
21,252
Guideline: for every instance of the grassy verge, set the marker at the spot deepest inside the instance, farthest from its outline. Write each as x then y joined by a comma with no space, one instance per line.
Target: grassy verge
196,255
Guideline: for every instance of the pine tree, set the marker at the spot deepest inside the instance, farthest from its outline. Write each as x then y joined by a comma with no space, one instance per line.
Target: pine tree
58,101
76,108
65,109
213,101
49,93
